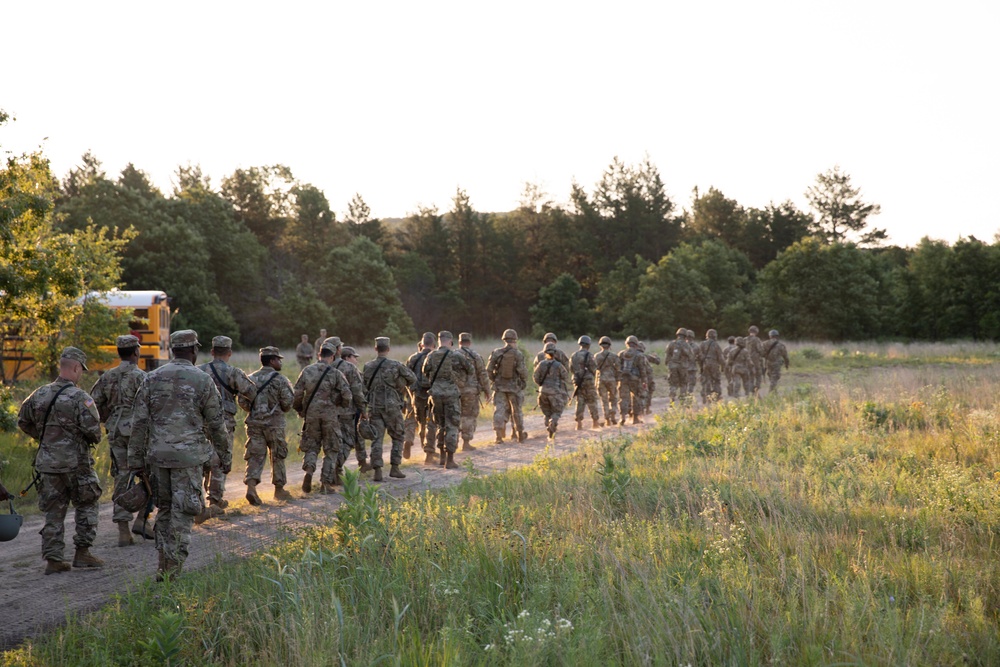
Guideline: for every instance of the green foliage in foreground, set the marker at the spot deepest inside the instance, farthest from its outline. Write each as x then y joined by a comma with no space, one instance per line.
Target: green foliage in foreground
850,524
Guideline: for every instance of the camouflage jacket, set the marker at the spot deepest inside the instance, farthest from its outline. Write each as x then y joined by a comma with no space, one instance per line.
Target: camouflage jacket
740,359
679,354
560,356
72,426
231,383
477,381
177,405
388,387
332,395
756,348
635,366
448,371
551,377
727,355
415,363
506,369
273,399
583,367
609,366
304,351
114,395
775,353
711,354
354,381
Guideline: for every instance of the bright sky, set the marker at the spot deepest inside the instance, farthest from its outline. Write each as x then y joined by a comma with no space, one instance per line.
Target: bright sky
404,102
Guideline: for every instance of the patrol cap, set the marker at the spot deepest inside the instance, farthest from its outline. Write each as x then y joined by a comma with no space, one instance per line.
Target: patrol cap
509,334
446,335
605,340
184,338
773,333
584,340
632,340
222,342
550,337
128,341
270,351
348,351
464,337
75,354
428,338
383,341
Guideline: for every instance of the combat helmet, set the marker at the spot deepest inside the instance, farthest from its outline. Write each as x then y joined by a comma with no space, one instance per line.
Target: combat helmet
681,332
550,337
632,340
753,329
712,333
689,333
741,341
584,340
509,334
605,340
773,333
10,524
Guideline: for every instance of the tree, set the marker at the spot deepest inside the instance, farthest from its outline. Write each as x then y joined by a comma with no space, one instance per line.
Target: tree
770,230
616,290
262,200
560,309
713,215
361,223
297,311
840,210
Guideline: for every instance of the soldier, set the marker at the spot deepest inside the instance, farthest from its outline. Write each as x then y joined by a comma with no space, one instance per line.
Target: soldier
712,361
447,373
304,351
679,357
266,425
232,383
775,354
114,394
693,363
476,384
583,369
608,370
755,347
386,382
319,341
560,356
647,394
552,379
509,376
634,380
175,408
65,422
739,367
348,365
727,354
320,395
417,419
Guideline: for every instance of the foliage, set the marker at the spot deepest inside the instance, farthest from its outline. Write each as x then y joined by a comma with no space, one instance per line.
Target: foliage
299,310
840,210
560,309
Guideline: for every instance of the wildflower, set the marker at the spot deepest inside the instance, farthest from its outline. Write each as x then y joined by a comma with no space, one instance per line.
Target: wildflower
564,624
524,614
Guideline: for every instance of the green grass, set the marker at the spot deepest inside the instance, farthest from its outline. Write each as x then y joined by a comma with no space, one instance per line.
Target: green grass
852,522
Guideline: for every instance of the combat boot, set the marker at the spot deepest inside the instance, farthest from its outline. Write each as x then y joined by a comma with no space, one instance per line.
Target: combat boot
281,494
252,496
406,449
395,472
378,474
636,419
443,459
336,476
499,438
365,467
56,566
430,458
124,534
307,483
522,436
597,423
222,503
200,518
84,558
467,445
451,465
170,569
325,489
143,527
579,424
614,421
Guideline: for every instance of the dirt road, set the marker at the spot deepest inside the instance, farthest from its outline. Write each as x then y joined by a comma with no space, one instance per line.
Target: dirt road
32,603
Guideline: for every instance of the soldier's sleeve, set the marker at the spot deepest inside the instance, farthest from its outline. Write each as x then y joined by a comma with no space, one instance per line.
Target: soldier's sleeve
408,376
537,376
521,370
244,400
298,392
343,388
215,426
564,377
26,418
88,418
784,354
137,442
426,368
481,377
97,392
591,364
285,394
491,365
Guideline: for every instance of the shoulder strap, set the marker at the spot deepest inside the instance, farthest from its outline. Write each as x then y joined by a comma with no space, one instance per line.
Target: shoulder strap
218,380
767,355
48,412
418,363
368,387
547,369
305,410
260,390
604,360
438,369
468,354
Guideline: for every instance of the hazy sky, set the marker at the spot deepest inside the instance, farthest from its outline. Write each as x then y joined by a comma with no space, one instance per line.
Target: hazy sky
405,102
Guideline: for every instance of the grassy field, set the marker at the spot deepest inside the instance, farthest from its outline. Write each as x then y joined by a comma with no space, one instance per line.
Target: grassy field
847,520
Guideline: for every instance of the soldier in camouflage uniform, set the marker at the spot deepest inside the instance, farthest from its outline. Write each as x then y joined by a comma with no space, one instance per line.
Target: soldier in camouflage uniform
319,341
266,425
113,394
608,370
739,368
552,379
418,419
727,354
320,395
756,349
348,365
775,354
712,361
693,363
304,351
634,380
647,394
447,371
232,383
176,407
679,357
476,384
560,356
65,422
583,370
386,383
509,376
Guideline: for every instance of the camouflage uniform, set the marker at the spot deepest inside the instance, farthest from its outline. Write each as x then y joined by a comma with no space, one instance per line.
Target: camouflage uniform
231,382
386,382
693,363
647,393
634,379
584,369
552,379
756,365
509,376
476,384
775,355
739,367
558,354
447,371
175,408
712,361
608,371
727,354
304,353
349,417
266,424
320,396
417,419
679,359
114,394
63,459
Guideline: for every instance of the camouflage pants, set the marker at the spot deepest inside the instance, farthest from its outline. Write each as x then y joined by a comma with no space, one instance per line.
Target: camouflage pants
608,390
692,379
742,379
586,397
387,420
711,383
756,377
630,400
321,431
215,479
647,396
729,382
552,406
56,491
122,475
774,375
448,417
419,417
508,405
677,378
349,439
178,501
260,440
470,413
